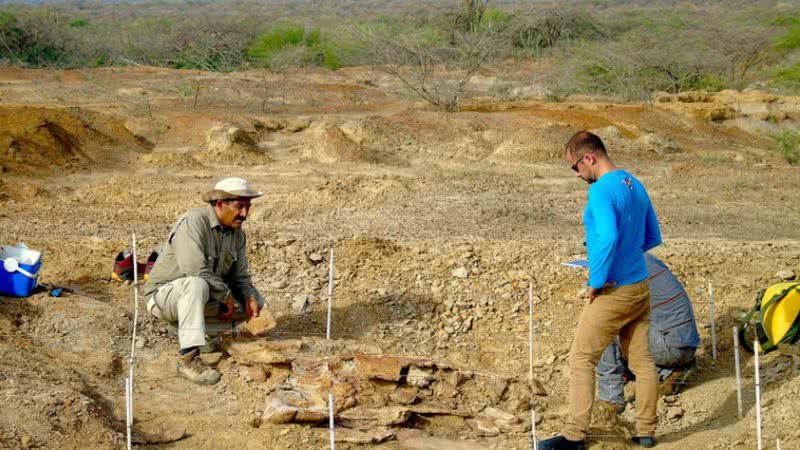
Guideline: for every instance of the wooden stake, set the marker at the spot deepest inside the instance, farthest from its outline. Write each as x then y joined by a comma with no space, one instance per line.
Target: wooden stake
711,311
330,295
530,371
129,379
330,372
330,418
756,350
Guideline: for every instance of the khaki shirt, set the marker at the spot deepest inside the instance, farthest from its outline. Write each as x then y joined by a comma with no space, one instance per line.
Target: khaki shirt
199,246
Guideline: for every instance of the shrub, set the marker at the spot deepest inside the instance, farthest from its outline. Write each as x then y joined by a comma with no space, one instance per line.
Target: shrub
542,31
788,146
790,40
78,23
270,42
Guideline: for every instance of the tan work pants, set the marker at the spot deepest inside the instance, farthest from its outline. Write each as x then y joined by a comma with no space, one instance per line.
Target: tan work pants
183,301
623,310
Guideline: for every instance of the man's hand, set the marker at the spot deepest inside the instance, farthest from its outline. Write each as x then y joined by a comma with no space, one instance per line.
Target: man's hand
592,293
252,308
226,309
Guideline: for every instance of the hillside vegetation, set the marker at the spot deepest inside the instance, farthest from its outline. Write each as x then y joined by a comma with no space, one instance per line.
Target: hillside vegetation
611,48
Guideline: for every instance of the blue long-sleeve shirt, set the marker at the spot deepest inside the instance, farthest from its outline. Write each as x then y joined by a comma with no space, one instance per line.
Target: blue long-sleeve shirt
621,225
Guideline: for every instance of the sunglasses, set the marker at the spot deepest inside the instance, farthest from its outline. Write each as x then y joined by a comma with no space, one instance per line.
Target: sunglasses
574,167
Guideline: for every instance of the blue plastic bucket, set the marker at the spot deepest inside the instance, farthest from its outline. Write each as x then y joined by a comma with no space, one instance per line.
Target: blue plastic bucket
19,277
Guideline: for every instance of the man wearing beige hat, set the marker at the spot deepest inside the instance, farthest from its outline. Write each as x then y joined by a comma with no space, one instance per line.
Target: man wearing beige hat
203,266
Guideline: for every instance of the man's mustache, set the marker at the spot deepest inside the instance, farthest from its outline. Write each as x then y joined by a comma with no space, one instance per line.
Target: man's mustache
240,218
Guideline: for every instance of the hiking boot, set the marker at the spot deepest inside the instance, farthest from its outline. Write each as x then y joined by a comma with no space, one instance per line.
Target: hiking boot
560,443
676,382
212,346
193,369
644,441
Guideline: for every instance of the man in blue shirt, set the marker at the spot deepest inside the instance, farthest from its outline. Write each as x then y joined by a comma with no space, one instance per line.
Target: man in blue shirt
673,338
621,225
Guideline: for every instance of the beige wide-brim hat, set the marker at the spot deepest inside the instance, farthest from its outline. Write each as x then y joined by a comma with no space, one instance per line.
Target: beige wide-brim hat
231,188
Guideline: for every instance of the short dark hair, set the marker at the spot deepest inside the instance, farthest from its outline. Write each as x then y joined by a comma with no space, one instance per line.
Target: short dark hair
584,142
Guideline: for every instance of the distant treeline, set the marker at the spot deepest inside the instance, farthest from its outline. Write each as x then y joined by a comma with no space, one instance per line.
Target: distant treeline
604,47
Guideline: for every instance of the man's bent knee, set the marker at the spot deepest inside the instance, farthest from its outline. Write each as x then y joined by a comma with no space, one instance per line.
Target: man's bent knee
196,287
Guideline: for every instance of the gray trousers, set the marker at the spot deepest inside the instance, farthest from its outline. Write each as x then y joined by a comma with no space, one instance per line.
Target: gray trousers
611,367
183,301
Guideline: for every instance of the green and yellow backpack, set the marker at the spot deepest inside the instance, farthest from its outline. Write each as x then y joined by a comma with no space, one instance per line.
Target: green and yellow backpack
775,319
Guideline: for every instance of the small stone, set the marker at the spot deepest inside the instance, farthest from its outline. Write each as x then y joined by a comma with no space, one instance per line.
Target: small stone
211,359
786,275
140,342
26,441
315,258
467,325
404,396
280,284
461,272
297,124
300,303
674,412
419,377
253,374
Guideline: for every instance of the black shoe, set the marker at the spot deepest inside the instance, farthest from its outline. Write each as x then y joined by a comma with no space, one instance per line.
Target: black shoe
560,443
644,441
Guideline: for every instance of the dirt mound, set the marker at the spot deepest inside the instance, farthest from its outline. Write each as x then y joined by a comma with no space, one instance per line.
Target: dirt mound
350,191
231,144
18,190
171,159
329,144
45,137
533,144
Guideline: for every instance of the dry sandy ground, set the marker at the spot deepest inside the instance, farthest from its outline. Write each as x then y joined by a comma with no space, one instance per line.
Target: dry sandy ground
412,200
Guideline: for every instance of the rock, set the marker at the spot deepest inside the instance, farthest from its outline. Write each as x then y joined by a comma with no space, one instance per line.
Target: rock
147,433
420,377
253,374
461,272
418,440
211,359
500,420
315,258
495,387
675,412
467,324
280,284
284,406
261,324
371,417
263,352
26,441
300,303
380,367
485,427
786,275
538,388
404,395
297,124
375,436
141,342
